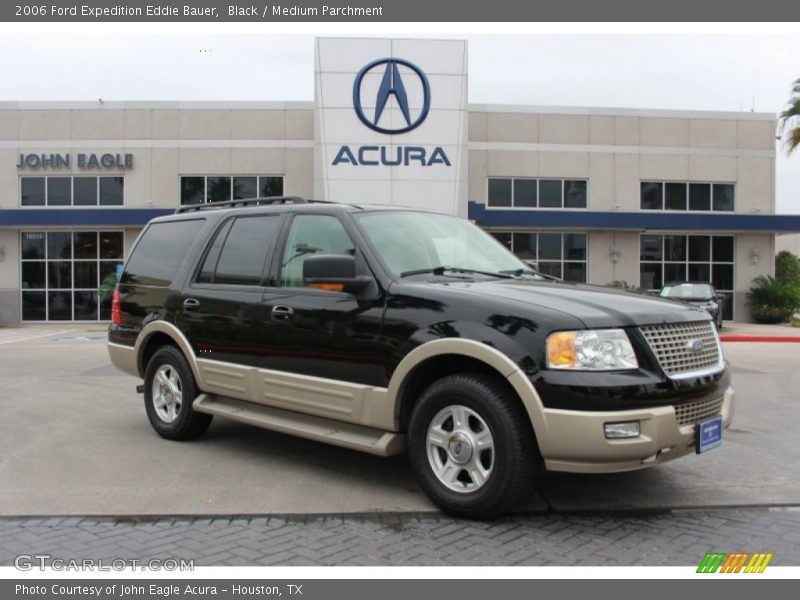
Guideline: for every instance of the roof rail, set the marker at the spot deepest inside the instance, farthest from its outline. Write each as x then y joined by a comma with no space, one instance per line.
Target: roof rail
268,201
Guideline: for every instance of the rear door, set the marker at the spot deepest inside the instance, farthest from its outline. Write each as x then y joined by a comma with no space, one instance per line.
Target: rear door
222,314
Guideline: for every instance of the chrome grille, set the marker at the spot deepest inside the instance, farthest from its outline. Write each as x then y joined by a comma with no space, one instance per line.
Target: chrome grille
672,346
695,411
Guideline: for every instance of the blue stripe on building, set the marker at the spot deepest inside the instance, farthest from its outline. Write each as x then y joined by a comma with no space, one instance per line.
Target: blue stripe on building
636,221
80,217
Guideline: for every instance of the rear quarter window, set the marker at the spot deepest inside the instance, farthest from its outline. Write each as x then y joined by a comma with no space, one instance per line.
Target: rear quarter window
160,251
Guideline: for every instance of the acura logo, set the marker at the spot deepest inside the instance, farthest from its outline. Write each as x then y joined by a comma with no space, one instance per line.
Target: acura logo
392,85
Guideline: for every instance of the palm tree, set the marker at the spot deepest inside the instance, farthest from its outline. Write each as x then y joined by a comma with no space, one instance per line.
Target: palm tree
790,120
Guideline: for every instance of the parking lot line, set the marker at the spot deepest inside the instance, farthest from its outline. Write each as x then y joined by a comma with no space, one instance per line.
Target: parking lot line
10,337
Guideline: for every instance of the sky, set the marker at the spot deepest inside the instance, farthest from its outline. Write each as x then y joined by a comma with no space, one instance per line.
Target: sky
720,71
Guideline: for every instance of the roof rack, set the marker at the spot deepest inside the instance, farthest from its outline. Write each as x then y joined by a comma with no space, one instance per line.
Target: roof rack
270,200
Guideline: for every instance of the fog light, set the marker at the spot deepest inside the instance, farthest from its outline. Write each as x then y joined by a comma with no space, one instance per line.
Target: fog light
616,431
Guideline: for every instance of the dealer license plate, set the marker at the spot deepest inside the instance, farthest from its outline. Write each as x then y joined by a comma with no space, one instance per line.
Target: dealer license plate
709,434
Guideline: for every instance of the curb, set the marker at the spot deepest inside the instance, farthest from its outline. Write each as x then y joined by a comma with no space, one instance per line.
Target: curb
760,338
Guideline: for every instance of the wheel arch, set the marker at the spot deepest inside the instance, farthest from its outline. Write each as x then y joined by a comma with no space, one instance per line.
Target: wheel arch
435,359
157,334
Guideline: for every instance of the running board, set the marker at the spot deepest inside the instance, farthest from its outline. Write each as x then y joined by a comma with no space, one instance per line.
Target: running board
346,435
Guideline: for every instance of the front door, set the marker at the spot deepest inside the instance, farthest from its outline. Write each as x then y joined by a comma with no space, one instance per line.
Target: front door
328,334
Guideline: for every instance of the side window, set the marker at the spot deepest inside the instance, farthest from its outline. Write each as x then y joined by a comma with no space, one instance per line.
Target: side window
239,251
312,234
159,253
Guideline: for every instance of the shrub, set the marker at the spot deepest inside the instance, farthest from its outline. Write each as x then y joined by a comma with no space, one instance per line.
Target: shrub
787,267
772,300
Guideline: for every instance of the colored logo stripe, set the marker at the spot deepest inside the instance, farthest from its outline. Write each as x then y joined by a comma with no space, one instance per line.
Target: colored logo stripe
711,562
758,563
734,563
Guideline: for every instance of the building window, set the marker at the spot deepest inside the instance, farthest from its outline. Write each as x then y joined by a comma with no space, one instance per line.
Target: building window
72,191
62,271
706,258
199,189
671,195
561,255
536,193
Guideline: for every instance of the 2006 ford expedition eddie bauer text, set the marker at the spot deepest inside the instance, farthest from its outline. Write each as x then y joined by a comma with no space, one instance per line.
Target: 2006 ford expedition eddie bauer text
385,329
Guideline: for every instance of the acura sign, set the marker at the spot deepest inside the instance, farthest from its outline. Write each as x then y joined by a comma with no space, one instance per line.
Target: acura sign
392,92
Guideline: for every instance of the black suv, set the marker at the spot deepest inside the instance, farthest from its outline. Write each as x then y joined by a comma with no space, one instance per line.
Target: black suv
384,329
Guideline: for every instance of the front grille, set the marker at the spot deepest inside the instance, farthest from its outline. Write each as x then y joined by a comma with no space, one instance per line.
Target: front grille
695,411
672,344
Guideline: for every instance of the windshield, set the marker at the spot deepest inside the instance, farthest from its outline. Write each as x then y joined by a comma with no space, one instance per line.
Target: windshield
416,241
688,291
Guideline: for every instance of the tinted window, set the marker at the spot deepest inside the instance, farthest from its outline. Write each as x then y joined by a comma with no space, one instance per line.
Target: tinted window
723,196
85,191
33,245
550,193
270,186
59,191
218,189
699,196
111,191
499,192
723,251
85,244
549,246
651,196
312,234
59,245
193,190
244,250
245,187
206,274
525,245
111,244
675,196
525,192
574,194
160,252
32,191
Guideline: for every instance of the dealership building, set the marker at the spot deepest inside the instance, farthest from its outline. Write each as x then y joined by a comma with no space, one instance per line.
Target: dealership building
592,195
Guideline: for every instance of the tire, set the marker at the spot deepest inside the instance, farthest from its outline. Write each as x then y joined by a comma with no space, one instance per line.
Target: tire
458,412
169,391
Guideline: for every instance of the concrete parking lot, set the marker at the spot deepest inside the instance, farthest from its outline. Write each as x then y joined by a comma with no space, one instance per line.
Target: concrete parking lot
74,440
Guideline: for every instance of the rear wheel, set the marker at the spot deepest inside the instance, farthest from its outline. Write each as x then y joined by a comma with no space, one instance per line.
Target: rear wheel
471,446
169,391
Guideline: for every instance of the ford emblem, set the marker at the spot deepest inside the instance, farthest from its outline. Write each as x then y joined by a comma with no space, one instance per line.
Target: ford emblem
695,346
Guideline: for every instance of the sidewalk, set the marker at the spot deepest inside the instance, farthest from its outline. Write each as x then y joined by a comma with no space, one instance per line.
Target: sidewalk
756,332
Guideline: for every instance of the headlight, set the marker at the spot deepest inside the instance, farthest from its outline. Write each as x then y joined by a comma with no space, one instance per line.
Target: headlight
590,350
712,306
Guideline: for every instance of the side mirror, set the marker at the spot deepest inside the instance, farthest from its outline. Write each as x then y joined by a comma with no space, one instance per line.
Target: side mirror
333,273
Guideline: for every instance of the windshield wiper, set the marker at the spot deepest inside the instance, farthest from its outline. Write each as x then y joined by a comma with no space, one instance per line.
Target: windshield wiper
440,270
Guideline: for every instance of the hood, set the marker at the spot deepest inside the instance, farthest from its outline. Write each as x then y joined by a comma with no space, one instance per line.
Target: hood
595,306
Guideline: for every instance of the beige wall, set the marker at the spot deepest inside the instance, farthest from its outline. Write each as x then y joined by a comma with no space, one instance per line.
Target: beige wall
616,152
167,140
788,242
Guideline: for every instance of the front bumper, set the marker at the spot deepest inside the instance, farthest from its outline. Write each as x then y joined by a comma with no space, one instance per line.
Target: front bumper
574,441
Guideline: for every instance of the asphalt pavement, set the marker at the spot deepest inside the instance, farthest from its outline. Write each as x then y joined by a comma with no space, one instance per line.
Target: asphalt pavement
74,440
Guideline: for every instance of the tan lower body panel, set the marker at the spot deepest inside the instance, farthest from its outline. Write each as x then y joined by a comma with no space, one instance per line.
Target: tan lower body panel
346,435
123,357
576,443
328,398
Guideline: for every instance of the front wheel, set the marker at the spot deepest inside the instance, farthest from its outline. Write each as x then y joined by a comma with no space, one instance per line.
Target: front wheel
169,390
472,447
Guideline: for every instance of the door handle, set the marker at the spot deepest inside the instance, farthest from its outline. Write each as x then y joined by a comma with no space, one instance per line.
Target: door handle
282,313
191,304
